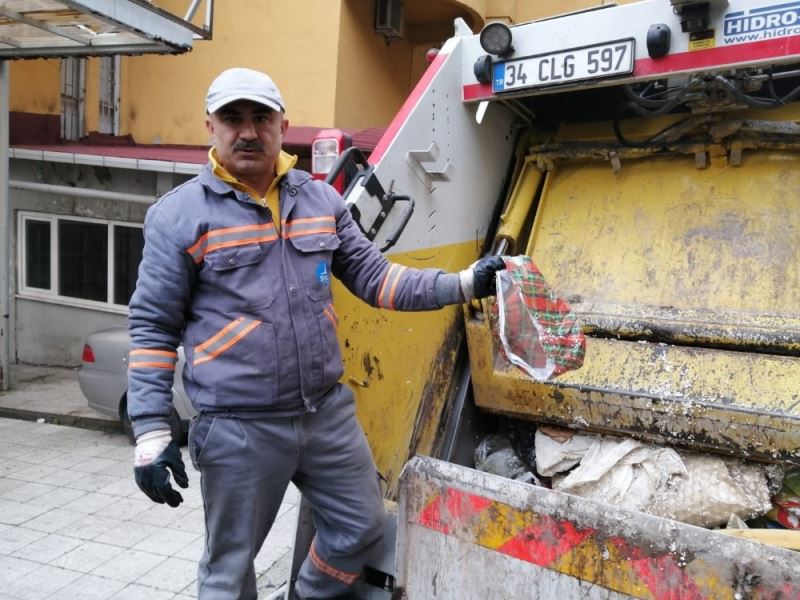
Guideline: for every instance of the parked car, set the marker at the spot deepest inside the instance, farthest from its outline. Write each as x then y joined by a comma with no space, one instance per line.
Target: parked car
103,379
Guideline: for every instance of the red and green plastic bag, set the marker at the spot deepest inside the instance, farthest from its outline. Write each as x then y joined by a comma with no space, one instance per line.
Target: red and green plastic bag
538,331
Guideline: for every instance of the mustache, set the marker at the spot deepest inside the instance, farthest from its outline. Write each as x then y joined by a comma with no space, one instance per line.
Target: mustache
248,146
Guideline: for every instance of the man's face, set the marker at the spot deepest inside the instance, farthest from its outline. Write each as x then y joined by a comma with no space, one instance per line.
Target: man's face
247,136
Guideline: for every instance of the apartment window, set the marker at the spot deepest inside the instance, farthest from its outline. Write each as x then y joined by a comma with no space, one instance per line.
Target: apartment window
78,260
73,90
109,94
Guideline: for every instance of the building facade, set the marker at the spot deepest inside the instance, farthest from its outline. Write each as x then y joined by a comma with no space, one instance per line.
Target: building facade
94,141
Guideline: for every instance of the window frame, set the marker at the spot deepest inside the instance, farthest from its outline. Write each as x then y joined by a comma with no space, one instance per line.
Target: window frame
73,97
109,94
52,295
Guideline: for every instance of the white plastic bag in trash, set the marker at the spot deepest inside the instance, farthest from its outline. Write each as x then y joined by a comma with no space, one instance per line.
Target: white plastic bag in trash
554,457
714,488
623,472
694,488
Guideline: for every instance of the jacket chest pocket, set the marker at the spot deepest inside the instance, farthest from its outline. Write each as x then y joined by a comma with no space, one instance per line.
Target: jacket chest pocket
314,253
238,273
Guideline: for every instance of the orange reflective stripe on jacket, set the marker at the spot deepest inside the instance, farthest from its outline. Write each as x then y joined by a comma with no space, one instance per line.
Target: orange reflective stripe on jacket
231,236
144,358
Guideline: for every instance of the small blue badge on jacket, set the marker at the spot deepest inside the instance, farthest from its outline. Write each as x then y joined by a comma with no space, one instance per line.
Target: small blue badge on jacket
322,273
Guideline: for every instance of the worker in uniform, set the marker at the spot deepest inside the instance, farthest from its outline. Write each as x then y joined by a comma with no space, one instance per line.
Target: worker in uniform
237,267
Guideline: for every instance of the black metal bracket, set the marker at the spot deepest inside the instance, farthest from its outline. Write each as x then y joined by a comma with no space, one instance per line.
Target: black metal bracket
356,168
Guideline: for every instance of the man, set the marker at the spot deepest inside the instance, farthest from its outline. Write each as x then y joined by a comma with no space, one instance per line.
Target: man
236,266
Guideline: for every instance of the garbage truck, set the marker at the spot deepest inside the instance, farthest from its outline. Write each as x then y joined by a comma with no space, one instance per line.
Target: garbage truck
646,156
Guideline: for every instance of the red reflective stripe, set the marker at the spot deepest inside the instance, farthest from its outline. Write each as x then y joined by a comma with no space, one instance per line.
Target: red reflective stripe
342,576
477,91
661,574
451,509
723,55
545,541
402,115
557,543
682,61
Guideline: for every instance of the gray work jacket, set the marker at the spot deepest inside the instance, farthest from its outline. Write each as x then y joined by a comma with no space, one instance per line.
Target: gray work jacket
253,306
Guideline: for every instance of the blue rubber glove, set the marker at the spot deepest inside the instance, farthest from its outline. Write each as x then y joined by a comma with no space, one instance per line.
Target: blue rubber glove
156,455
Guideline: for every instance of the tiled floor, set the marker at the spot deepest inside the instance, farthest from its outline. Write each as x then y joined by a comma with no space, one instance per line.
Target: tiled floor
73,524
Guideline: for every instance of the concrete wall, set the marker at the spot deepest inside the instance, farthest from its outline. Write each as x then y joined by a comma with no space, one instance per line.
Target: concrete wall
51,332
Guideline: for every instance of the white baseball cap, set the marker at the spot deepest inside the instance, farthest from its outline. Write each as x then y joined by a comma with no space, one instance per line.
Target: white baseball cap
243,84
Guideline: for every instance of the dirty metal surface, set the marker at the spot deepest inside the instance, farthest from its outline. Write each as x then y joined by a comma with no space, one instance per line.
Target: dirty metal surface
400,366
739,403
666,250
465,534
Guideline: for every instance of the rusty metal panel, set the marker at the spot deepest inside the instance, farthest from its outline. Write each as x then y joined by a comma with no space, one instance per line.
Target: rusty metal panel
465,534
747,404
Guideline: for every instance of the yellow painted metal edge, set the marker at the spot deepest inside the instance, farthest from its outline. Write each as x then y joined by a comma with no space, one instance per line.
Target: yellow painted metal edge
735,402
785,538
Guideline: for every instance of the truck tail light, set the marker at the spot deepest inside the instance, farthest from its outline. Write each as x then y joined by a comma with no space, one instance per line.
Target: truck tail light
87,355
325,149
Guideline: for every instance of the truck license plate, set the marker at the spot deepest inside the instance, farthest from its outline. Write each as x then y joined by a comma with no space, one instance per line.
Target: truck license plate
554,68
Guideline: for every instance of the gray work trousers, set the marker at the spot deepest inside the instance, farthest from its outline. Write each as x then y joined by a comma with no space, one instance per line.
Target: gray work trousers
245,466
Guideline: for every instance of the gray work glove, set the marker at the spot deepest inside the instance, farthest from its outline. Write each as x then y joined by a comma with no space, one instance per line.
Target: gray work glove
478,280
155,453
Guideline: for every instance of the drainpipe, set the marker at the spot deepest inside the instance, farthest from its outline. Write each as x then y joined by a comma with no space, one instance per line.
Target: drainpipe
67,190
5,233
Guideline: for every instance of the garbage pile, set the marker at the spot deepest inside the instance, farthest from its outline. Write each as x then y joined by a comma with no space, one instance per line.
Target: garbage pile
695,488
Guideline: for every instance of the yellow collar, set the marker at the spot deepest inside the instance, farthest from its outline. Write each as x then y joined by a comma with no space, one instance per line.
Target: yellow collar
283,164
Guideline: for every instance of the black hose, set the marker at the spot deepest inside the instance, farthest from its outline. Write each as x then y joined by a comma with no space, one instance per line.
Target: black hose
641,144
742,97
641,100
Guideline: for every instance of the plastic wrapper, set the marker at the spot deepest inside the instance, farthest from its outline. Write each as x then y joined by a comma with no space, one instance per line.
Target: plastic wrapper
714,488
554,456
623,472
537,330
694,488
785,511
495,455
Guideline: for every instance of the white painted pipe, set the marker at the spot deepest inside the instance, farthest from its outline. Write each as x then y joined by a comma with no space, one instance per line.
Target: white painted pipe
5,232
67,190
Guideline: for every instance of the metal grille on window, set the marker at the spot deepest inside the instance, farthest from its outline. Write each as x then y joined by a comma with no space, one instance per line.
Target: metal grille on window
109,94
73,76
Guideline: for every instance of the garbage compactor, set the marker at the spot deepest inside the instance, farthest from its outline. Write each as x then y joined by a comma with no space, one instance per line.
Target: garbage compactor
645,156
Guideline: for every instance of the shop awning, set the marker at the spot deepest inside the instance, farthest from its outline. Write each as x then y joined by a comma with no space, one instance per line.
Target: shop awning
58,28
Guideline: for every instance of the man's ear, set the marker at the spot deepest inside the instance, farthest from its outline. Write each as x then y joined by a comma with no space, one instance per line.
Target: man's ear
284,126
209,126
